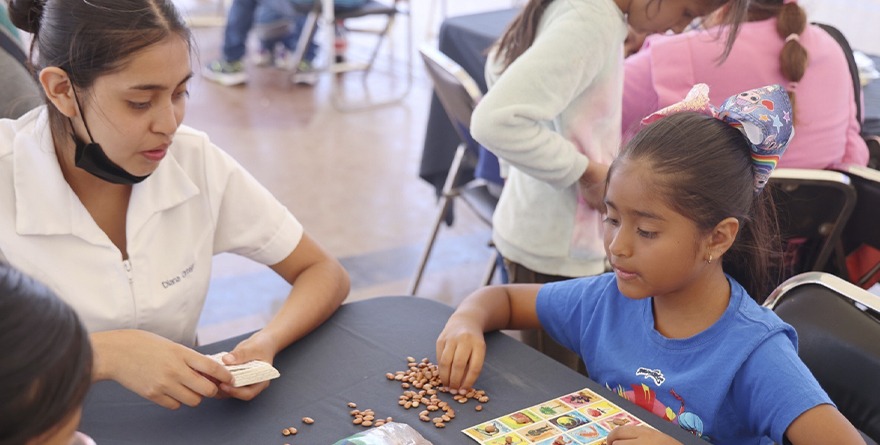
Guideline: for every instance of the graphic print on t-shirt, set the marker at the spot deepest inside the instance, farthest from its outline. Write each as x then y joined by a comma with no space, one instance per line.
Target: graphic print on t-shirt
645,397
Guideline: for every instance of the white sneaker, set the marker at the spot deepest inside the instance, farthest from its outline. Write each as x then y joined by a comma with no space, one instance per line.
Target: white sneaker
225,73
305,74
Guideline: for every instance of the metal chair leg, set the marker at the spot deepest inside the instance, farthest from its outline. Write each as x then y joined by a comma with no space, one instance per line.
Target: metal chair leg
423,261
306,35
446,197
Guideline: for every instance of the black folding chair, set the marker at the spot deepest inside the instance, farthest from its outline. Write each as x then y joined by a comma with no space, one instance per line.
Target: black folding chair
839,341
863,227
459,94
872,140
813,207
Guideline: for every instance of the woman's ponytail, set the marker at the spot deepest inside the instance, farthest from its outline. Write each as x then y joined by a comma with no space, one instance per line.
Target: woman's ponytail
790,23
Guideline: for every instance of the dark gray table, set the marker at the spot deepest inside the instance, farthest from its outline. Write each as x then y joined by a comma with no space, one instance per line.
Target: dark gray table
465,40
345,360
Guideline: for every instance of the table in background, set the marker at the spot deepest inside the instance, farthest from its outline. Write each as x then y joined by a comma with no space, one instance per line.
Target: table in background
342,361
465,40
871,106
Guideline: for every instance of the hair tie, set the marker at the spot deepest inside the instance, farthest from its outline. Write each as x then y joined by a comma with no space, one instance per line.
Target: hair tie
763,115
793,36
792,86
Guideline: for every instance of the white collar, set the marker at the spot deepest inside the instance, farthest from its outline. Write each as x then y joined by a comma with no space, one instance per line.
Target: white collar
46,205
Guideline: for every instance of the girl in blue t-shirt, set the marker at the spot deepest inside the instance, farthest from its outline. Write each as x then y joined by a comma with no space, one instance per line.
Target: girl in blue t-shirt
671,329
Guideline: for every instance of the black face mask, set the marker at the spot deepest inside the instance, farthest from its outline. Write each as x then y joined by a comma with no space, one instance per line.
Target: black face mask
91,158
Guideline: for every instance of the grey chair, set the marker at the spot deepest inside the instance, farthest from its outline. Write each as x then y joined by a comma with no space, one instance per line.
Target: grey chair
459,94
839,341
389,10
813,207
862,227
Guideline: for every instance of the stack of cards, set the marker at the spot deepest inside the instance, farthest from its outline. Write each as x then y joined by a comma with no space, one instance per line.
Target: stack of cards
254,371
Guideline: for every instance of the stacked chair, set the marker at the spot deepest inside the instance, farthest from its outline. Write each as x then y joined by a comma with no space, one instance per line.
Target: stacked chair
863,227
839,341
813,208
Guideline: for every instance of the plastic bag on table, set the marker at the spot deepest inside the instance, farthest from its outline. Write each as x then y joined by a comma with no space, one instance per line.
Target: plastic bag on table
392,433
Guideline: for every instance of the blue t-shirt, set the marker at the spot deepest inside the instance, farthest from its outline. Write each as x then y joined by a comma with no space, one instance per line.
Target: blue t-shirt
738,382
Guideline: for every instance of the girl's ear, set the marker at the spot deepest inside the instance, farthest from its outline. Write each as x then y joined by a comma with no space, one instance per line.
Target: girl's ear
722,236
59,90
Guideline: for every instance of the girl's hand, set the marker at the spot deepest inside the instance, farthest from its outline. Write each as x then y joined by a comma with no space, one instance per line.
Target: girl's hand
258,347
461,350
639,435
592,185
156,368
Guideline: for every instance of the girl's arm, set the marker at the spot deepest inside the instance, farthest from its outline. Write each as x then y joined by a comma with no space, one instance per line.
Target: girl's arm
320,284
461,347
820,425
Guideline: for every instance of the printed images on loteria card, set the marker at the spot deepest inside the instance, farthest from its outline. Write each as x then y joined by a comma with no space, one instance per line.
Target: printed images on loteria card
508,439
599,409
550,408
579,418
520,419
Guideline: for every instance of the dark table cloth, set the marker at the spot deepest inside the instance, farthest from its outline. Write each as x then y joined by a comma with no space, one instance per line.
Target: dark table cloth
344,360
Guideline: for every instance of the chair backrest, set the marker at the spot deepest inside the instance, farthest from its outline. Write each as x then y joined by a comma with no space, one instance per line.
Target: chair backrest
455,88
873,142
838,339
862,227
851,61
813,207
458,94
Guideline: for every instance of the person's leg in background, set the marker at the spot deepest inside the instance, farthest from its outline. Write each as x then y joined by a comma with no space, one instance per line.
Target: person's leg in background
229,70
273,28
538,338
305,72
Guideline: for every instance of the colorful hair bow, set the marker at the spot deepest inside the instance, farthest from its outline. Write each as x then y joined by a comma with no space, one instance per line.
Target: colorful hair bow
763,115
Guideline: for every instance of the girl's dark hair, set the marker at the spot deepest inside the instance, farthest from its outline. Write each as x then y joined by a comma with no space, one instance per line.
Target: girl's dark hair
91,38
790,19
521,33
703,171
47,359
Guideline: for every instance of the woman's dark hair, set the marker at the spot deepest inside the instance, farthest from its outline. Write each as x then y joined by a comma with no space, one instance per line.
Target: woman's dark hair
91,38
790,19
703,171
521,33
47,359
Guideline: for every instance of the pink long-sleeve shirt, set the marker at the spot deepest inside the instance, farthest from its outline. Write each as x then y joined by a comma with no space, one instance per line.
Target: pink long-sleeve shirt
826,129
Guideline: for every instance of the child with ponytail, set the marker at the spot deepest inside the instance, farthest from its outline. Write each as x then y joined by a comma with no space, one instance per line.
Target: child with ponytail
776,45
689,234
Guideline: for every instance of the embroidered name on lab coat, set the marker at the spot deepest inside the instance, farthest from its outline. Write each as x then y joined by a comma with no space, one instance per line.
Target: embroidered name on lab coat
177,279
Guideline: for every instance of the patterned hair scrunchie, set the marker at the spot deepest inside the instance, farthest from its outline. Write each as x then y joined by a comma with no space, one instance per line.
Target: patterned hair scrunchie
763,115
